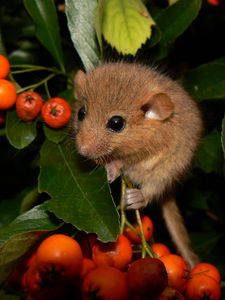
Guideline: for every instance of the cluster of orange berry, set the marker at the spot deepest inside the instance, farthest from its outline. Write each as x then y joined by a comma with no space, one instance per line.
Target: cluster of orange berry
55,112
82,267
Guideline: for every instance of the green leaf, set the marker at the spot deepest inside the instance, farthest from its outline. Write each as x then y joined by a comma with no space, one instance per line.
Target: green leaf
220,60
80,17
54,135
174,20
45,19
156,36
206,81
9,210
79,196
19,134
29,200
126,24
209,157
12,250
206,243
36,219
21,234
223,135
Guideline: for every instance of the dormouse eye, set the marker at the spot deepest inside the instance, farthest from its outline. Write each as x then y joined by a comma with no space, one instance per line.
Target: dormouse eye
81,113
116,124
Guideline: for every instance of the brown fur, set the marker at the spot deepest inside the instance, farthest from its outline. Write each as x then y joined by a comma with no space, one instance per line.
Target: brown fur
154,150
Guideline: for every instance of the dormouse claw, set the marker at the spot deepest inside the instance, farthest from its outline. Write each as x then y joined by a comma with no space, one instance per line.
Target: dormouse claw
134,199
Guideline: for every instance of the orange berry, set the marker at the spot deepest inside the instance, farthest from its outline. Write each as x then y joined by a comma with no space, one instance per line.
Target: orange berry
7,94
4,66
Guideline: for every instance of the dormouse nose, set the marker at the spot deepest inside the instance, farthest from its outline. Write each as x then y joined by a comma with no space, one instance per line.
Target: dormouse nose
87,147
84,150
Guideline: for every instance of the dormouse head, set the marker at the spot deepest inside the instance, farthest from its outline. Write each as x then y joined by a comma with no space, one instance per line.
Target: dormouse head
120,110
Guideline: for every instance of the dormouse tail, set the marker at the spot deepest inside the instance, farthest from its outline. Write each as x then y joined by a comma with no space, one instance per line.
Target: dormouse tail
178,231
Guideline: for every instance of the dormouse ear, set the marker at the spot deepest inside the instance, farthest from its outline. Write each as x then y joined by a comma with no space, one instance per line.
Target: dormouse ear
159,107
79,81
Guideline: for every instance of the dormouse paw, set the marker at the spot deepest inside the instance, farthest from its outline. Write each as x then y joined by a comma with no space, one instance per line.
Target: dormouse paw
133,199
113,170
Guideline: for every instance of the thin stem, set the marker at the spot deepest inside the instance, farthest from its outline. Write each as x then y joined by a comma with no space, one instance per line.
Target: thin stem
122,212
145,247
143,241
24,71
127,182
30,68
47,90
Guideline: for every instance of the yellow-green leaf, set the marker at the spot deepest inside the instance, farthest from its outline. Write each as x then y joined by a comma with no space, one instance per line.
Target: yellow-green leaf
126,24
171,2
